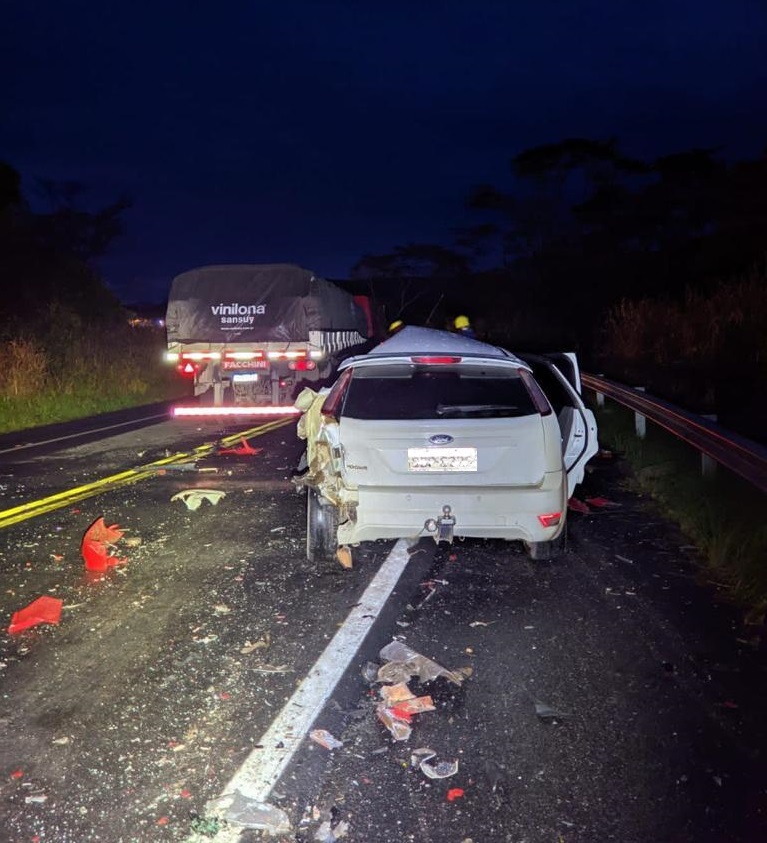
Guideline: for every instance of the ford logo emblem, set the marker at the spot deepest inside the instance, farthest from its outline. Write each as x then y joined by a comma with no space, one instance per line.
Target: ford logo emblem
441,439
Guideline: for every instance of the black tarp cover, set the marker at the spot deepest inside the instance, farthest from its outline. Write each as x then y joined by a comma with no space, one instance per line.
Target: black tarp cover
257,303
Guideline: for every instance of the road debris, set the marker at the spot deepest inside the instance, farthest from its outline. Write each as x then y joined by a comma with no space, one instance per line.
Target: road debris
455,793
325,739
547,713
193,498
602,503
344,556
243,449
401,662
251,646
399,729
328,833
42,610
240,809
421,758
578,506
97,540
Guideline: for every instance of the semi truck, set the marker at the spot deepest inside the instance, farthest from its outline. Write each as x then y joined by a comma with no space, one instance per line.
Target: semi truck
250,335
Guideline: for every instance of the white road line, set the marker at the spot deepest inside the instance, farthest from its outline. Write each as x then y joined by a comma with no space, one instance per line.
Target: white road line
263,767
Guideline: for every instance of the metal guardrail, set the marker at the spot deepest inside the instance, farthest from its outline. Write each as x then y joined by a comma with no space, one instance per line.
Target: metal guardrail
736,453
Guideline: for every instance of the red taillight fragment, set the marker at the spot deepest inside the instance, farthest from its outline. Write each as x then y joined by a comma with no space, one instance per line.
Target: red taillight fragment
436,360
550,519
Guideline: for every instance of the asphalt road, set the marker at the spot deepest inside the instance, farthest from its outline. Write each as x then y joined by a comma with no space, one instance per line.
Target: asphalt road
129,718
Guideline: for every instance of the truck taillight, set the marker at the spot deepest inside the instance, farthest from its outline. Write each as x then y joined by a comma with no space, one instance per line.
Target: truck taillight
187,369
286,355
201,355
302,365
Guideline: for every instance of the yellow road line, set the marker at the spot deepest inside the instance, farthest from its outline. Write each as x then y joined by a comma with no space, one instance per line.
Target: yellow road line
124,478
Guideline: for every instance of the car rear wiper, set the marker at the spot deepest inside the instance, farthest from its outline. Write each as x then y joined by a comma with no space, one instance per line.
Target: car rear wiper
475,409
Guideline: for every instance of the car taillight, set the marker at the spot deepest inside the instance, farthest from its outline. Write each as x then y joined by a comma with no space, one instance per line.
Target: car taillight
436,360
331,407
302,365
536,393
550,519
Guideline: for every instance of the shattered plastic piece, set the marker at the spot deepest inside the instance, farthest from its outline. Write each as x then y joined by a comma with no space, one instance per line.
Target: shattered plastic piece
546,712
324,738
578,506
454,793
243,449
193,498
242,810
402,663
370,672
329,834
421,758
344,556
396,693
602,503
42,610
398,729
97,540
407,708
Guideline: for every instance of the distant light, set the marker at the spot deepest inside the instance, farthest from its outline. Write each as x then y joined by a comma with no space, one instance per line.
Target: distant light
235,411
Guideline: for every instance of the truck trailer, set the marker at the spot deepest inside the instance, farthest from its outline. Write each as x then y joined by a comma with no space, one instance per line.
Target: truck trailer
251,335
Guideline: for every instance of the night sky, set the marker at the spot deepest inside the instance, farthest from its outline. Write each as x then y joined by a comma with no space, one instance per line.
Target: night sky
314,132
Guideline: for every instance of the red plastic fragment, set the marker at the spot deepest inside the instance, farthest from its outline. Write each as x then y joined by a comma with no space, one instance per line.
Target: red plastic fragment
17,774
401,713
42,610
454,793
163,821
94,547
578,506
600,502
244,448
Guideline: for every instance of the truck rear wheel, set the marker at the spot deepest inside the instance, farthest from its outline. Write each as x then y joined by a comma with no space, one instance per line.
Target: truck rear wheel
321,528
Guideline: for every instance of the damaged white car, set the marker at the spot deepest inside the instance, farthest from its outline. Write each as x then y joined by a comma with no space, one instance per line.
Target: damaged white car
431,433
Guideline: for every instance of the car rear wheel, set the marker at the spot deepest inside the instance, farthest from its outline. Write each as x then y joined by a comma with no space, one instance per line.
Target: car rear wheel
321,528
542,551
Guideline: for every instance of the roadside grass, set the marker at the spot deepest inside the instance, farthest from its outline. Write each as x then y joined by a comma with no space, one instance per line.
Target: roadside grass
722,515
84,376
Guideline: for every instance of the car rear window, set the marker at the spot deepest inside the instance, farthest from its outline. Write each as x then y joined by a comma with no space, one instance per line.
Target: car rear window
411,391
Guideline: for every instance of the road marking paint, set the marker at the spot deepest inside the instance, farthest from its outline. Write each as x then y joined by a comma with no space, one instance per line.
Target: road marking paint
31,509
263,767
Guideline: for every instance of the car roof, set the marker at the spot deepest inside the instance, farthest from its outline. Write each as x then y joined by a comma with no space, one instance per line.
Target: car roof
412,340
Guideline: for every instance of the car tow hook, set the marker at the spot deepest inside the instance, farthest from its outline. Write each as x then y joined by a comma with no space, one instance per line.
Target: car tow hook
441,528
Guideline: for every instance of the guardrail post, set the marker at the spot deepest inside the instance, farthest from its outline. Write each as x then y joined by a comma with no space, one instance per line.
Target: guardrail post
708,464
600,396
640,422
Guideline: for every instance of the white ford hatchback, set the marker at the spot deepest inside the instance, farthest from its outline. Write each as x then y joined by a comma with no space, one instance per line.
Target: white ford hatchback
431,433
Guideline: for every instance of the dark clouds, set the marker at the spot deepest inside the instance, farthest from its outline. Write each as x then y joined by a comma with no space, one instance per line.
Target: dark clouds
315,131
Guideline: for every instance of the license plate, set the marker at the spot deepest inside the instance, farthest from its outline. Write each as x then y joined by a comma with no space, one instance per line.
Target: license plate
245,377
246,364
441,459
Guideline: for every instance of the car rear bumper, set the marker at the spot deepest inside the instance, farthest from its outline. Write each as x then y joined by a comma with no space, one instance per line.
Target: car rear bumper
487,512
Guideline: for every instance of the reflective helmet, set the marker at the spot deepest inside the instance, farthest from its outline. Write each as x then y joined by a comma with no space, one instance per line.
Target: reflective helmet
461,322
396,325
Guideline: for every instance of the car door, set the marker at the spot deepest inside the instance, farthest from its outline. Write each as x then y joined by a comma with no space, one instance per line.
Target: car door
577,423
